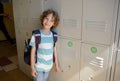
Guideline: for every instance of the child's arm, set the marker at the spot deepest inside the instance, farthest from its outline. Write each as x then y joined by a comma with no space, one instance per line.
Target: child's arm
33,71
3,14
56,60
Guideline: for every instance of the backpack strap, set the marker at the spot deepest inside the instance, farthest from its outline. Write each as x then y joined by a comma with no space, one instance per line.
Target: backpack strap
55,37
37,35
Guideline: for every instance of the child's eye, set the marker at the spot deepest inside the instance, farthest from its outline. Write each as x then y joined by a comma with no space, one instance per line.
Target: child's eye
52,20
46,18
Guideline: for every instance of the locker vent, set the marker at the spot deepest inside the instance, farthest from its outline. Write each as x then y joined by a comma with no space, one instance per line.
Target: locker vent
70,23
96,25
97,62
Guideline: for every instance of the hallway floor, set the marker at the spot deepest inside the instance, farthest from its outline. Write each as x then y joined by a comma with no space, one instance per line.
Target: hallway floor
9,70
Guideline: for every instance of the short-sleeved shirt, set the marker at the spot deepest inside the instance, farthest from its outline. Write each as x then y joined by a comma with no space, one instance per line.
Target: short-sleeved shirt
44,52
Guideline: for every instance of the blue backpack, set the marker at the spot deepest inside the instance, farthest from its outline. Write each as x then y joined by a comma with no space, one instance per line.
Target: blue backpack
27,47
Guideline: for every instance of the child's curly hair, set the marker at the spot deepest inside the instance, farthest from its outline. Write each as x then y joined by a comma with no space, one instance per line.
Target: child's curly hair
55,16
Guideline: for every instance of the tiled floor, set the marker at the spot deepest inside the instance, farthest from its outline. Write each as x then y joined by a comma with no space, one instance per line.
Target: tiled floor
9,70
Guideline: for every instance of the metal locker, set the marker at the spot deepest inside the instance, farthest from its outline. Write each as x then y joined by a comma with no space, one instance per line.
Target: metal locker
68,53
35,9
98,17
51,4
24,25
71,18
94,62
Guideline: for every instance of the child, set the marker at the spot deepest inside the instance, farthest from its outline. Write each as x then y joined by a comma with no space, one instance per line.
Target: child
40,70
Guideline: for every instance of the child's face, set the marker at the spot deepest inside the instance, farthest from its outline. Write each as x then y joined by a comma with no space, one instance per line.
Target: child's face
48,21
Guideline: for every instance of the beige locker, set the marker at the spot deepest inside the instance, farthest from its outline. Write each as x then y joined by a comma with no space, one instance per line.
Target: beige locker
98,21
94,62
69,55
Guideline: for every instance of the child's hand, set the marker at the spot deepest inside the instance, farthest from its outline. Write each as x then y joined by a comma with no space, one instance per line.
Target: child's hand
33,73
5,15
57,69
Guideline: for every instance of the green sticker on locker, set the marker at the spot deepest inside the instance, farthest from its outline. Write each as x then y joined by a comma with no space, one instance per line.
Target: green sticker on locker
26,33
70,44
93,49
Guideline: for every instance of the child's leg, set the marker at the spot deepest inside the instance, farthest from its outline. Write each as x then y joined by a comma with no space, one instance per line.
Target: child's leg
41,76
46,75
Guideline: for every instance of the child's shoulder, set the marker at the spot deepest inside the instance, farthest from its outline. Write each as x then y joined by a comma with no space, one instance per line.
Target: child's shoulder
36,31
53,31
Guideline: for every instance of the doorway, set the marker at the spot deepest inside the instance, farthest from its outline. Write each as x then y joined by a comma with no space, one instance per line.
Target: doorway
8,50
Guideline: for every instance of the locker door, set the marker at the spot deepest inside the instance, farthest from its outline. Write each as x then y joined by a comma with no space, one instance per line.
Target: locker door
70,59
35,10
51,4
94,62
98,23
71,16
69,53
